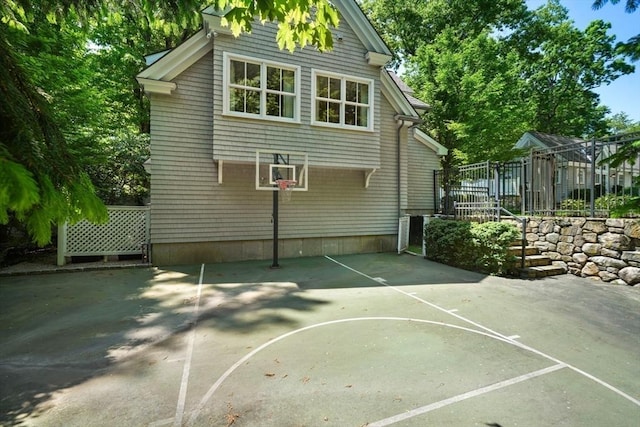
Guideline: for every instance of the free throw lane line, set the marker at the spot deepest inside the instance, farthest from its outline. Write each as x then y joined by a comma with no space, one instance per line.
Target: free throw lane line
209,394
184,384
417,298
492,332
459,398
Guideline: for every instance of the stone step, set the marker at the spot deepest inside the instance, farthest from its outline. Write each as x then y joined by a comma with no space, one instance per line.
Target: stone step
528,250
534,260
541,271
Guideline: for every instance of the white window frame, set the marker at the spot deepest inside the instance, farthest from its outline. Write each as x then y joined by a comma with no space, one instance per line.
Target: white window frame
559,173
581,176
343,79
228,57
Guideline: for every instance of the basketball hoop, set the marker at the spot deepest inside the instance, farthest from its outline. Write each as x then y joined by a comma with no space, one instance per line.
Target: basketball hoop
286,187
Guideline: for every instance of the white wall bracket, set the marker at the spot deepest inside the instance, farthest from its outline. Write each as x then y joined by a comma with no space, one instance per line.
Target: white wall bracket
220,167
367,177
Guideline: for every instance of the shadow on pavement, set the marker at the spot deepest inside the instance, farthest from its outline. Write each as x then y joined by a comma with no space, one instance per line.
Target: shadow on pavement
60,330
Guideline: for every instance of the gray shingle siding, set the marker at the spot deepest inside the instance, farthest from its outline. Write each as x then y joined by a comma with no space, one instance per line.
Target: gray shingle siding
188,204
189,135
422,162
239,138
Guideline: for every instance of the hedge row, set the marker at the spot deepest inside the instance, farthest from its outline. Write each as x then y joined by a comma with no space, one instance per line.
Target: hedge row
472,246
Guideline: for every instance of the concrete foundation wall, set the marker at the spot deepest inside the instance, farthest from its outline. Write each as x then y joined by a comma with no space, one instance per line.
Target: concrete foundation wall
214,252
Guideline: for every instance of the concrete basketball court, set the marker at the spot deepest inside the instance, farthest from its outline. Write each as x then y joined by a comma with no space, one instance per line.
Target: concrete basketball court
361,340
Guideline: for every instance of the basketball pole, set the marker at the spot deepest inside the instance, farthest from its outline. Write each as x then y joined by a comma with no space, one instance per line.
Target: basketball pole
274,263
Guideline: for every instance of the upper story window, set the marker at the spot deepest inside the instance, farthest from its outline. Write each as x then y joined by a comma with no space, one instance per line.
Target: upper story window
342,101
261,89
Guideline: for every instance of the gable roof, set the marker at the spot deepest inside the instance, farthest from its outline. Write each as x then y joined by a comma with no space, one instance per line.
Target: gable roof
157,77
572,149
165,66
395,96
378,52
550,140
408,93
365,31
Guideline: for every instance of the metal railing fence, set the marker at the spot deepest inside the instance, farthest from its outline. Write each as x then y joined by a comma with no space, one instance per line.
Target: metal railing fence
573,179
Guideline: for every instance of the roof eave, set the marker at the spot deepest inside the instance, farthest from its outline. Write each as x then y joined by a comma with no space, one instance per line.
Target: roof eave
212,21
363,29
179,59
425,139
377,59
395,96
157,86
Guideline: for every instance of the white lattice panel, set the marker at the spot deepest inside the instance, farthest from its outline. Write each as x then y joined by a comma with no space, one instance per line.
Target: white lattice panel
125,233
403,233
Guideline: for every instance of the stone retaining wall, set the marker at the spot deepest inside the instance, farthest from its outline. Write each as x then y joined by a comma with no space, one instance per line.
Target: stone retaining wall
598,248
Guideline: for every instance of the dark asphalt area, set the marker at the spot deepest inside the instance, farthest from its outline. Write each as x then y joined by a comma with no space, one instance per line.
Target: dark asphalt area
359,340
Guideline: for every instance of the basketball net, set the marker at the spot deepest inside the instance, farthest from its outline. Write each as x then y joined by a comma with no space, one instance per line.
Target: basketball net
286,186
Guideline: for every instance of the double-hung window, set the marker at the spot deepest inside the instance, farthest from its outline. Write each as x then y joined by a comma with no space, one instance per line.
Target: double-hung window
261,89
342,101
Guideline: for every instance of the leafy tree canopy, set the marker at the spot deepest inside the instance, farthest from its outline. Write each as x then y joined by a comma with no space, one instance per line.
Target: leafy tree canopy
632,46
630,5
64,108
563,65
408,24
493,70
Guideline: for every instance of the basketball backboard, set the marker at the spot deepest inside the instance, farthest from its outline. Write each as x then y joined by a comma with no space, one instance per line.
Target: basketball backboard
272,166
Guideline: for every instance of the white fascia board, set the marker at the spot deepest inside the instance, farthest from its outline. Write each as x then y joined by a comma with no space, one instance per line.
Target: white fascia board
361,26
394,95
214,23
377,59
422,137
179,59
157,86
529,141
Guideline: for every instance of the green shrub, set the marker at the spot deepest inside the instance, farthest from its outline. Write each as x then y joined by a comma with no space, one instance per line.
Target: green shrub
478,247
492,240
448,242
619,205
573,205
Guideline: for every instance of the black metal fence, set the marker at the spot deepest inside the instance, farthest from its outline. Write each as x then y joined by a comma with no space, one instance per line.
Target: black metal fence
574,179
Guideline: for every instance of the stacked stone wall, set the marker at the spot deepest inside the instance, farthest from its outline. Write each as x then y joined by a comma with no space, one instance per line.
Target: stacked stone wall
597,248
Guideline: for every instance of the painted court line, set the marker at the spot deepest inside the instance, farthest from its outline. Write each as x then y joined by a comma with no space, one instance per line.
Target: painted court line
417,298
161,423
496,334
184,384
481,330
464,396
209,394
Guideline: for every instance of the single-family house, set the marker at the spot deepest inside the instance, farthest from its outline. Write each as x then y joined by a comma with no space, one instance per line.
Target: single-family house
234,119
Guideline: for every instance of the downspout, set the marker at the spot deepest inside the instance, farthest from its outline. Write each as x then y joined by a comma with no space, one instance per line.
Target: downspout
401,119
